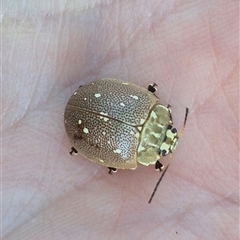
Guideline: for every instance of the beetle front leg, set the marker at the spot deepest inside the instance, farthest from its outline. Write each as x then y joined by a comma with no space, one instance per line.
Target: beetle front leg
152,87
159,166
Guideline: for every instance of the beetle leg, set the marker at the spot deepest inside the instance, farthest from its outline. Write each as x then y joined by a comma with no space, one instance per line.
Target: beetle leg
112,170
152,87
73,150
159,166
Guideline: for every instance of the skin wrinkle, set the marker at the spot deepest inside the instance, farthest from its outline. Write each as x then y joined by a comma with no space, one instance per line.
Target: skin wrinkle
212,44
53,167
207,98
231,75
12,47
226,131
216,92
116,222
46,48
116,56
21,211
182,217
196,183
25,205
59,72
21,118
166,14
112,43
29,199
210,34
206,213
56,52
142,25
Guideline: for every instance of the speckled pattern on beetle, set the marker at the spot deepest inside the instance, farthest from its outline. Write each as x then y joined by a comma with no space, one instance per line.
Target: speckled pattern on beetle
119,124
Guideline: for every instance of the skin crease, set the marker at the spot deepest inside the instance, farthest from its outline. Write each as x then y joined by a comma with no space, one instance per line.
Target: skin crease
189,48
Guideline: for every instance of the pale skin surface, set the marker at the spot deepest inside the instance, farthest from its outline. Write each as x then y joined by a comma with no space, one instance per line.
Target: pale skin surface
189,49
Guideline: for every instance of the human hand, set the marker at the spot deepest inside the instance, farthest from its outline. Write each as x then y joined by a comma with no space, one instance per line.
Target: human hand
189,49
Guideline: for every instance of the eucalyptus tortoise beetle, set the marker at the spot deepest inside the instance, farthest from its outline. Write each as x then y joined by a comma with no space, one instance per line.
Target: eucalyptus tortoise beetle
119,124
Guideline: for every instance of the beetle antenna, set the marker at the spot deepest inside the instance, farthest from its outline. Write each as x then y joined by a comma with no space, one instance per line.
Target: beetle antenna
160,179
156,187
184,123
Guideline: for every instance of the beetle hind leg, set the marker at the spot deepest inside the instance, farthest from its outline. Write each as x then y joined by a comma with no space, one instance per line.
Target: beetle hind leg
112,170
73,151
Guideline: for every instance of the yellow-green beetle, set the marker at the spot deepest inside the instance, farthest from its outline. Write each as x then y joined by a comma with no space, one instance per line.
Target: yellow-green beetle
119,124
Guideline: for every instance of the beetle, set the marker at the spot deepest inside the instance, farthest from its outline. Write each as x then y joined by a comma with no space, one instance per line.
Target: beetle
118,124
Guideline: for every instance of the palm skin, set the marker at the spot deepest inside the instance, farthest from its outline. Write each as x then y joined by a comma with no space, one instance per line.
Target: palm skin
189,50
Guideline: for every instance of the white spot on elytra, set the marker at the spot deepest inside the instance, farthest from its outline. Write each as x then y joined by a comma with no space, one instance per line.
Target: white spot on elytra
137,135
142,121
105,119
101,160
117,151
79,121
97,95
102,113
85,99
74,93
125,83
85,130
134,97
122,104
108,142
104,133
